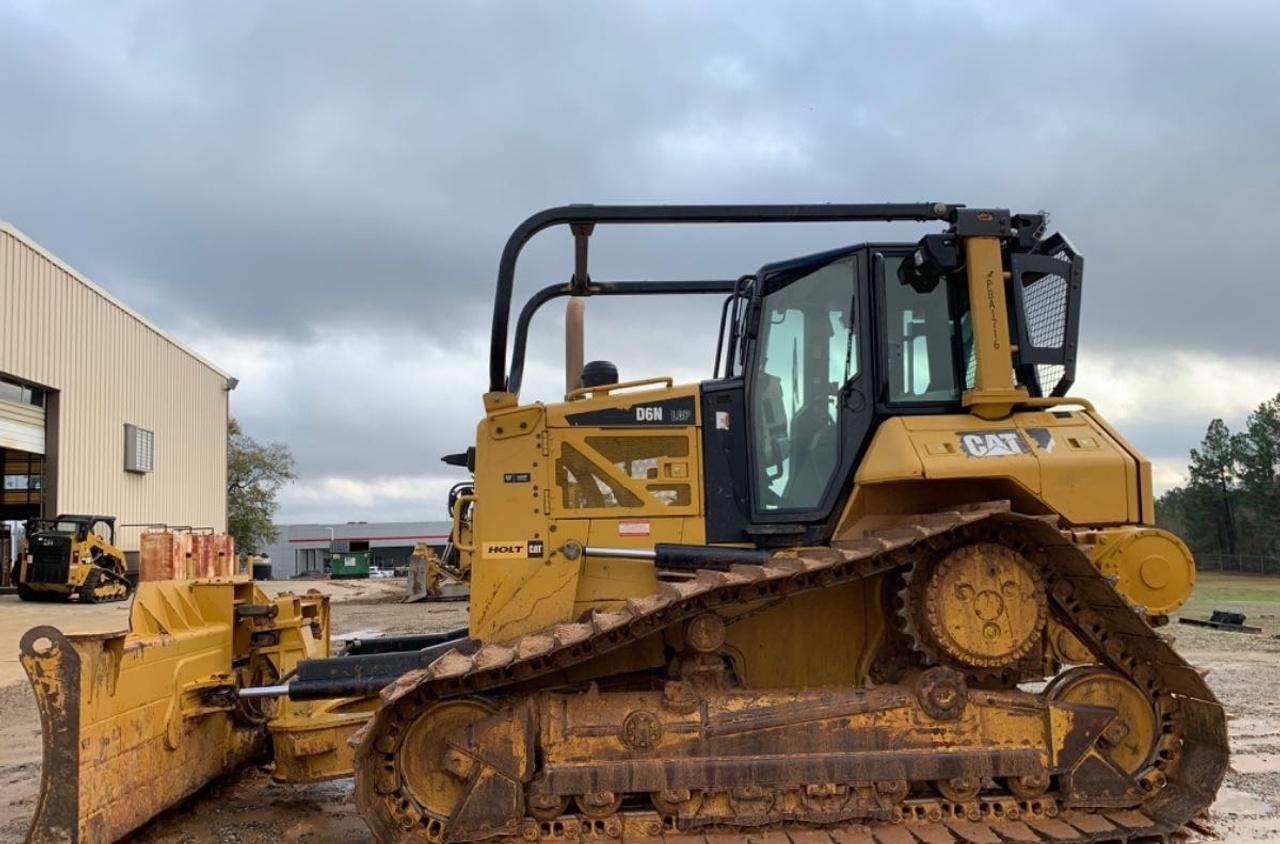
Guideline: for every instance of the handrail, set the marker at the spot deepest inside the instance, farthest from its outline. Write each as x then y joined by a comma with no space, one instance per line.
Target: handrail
455,529
606,389
597,288
1056,401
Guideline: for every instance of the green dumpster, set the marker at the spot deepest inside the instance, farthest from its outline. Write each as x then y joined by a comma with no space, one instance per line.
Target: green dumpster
349,564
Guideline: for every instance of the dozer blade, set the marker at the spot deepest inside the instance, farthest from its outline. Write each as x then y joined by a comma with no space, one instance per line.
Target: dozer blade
417,585
137,720
430,580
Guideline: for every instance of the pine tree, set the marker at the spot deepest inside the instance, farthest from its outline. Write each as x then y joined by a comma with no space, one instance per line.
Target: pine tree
1212,491
1258,455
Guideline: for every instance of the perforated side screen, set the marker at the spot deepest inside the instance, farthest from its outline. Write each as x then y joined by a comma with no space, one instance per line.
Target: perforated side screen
1046,305
1046,316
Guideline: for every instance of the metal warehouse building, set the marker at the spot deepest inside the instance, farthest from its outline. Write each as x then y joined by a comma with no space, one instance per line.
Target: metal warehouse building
100,411
304,549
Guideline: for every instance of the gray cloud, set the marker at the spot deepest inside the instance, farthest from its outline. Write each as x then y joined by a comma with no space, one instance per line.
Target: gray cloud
291,173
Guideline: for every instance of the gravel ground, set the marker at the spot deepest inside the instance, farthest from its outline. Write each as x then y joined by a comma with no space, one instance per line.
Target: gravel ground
249,808
1244,672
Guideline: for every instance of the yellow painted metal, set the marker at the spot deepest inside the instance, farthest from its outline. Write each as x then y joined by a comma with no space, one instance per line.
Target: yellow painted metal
310,740
547,487
1137,471
464,769
1068,462
521,596
606,389
1130,738
429,770
1138,483
984,605
430,578
1156,570
1065,462
85,555
599,744
607,583
994,393
1065,646
782,647
135,721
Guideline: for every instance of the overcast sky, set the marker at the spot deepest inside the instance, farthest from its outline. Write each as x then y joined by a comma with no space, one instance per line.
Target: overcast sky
314,195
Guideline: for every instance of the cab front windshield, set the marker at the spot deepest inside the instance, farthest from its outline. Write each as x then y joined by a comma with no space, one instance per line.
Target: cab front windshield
806,352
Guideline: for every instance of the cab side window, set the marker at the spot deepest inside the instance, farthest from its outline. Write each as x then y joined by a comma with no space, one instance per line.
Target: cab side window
919,339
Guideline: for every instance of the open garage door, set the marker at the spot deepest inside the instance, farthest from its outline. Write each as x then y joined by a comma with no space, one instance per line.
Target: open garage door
22,448
23,488
21,427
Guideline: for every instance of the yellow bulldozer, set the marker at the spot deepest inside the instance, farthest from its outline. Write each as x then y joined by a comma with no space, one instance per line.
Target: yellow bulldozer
878,579
72,555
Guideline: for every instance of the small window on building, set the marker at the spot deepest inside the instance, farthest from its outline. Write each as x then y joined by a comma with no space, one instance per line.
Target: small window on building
20,393
139,449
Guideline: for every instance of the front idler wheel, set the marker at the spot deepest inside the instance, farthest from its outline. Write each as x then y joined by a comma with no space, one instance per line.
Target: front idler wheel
1129,740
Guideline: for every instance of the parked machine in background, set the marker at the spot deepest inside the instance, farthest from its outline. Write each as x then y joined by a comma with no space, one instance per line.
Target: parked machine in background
444,576
72,555
435,577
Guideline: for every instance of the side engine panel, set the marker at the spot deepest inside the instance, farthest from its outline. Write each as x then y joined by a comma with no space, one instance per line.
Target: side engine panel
606,469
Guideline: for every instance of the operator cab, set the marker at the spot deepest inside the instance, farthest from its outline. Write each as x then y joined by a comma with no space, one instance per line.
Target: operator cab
824,347
75,526
815,352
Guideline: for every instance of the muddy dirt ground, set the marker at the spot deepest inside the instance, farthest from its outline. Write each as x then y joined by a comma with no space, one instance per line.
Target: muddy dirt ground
249,808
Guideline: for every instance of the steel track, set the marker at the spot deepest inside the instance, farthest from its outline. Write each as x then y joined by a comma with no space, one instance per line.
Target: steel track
1178,784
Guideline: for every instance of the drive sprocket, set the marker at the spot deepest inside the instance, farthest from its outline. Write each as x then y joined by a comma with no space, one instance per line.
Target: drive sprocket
980,606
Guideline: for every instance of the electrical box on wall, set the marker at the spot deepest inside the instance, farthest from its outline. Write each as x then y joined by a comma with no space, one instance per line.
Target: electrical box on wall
139,449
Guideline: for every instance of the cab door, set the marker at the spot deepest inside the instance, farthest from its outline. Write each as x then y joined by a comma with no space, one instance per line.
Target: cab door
808,394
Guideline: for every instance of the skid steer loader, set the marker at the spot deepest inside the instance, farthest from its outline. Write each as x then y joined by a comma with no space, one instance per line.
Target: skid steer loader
70,555
878,579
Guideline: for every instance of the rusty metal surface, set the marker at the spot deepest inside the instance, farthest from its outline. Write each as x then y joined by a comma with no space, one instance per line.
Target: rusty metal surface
135,721
309,740
117,746
1178,782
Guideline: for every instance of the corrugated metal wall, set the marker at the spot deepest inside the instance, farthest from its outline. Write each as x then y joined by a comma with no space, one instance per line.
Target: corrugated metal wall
110,368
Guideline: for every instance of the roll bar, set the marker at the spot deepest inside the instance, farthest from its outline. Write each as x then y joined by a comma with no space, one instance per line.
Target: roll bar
583,219
601,288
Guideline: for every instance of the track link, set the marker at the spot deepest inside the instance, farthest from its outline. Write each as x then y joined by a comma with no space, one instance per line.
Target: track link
1178,783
